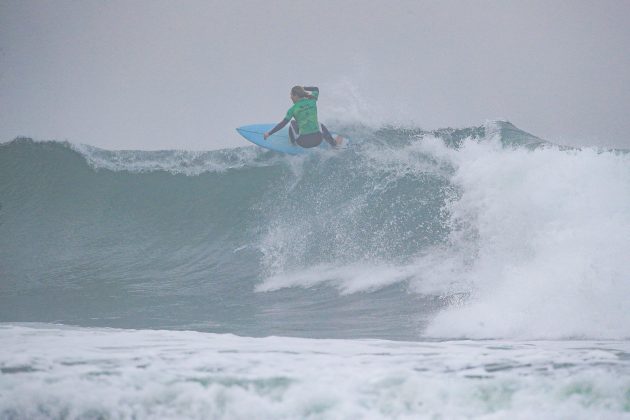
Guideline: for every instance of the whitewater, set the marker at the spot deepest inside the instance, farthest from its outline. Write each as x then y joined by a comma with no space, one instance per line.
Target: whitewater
474,272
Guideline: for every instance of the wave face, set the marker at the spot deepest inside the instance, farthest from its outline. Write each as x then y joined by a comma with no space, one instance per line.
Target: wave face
479,232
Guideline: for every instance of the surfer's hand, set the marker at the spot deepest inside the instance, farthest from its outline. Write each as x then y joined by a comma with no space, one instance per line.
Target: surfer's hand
266,135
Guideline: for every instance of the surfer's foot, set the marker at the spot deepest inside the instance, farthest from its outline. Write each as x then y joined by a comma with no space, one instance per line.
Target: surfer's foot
338,141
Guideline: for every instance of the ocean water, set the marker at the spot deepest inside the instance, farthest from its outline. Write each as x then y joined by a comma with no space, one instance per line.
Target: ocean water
459,273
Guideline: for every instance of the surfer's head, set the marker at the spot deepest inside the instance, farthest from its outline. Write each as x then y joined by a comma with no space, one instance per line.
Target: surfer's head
297,93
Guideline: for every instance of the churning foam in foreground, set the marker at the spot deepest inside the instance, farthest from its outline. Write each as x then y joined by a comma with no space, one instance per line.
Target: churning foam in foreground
52,371
543,238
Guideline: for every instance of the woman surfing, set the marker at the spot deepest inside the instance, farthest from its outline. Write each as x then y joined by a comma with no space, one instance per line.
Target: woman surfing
305,130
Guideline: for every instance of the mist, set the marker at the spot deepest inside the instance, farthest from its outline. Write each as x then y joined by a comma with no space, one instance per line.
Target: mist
182,75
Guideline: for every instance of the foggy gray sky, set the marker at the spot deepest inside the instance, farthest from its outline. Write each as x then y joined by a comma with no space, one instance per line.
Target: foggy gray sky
183,74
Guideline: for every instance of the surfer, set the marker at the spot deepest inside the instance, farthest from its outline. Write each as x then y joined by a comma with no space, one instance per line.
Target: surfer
305,129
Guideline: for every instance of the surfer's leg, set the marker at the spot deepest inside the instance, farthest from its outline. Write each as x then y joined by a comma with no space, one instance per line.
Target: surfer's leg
293,131
327,136
310,140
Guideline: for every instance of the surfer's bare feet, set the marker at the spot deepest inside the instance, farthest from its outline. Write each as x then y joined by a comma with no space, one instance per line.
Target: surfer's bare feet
338,141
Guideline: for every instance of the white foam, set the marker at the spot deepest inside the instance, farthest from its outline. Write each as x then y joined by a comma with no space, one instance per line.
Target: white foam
347,279
548,234
55,371
186,162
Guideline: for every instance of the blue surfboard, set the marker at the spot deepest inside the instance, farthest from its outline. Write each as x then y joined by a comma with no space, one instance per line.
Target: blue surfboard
280,141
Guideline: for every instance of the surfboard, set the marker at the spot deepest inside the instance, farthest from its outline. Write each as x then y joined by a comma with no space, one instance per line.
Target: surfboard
280,141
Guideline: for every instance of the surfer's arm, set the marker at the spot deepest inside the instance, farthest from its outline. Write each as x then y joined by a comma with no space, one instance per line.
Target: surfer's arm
313,91
280,126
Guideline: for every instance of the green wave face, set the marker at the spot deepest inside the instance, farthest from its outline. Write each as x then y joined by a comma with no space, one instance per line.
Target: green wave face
370,241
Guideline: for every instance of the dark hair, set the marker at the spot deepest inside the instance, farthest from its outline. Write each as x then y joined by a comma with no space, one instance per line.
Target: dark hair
298,91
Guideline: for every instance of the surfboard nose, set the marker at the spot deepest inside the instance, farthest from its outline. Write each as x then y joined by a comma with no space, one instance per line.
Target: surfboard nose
254,128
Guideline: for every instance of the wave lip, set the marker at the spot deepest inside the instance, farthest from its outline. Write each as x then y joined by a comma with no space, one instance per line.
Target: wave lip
174,161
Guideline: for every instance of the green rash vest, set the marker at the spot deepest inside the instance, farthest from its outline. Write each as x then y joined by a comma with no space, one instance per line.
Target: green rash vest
305,113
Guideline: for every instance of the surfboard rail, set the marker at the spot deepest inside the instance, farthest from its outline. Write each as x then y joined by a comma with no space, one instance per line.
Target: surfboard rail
279,141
